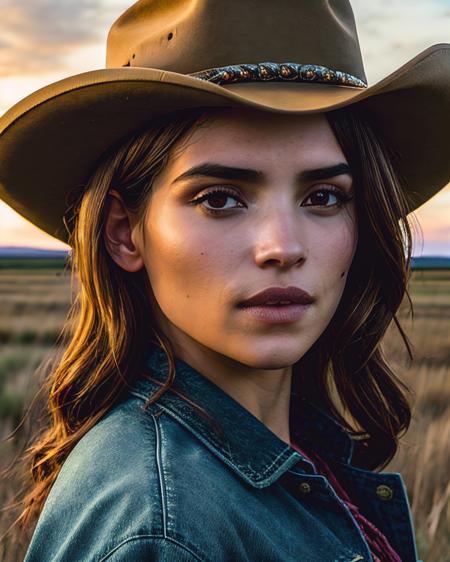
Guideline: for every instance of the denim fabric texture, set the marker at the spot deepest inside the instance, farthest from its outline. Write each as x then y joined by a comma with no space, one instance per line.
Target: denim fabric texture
160,485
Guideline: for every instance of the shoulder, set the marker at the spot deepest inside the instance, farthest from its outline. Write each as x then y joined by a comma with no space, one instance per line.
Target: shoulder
107,499
130,488
113,456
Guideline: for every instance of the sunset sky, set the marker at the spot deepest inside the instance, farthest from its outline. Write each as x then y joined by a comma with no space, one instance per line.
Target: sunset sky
42,41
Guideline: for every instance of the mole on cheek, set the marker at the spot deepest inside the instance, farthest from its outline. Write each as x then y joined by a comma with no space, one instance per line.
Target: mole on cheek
342,274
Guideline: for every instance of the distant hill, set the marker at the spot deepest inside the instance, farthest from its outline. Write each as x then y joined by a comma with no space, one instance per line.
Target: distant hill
431,262
24,252
16,257
19,252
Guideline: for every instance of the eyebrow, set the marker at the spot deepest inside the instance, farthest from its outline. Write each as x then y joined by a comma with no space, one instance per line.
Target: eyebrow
253,176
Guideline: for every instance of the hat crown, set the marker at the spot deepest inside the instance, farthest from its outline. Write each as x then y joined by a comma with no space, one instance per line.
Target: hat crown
187,36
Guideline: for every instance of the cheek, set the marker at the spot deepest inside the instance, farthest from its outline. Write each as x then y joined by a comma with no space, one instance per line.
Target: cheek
333,253
342,250
187,260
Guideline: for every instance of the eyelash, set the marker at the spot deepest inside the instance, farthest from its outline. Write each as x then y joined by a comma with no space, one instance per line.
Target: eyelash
341,196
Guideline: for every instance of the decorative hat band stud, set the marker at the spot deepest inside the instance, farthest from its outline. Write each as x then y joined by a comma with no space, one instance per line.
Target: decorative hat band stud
279,72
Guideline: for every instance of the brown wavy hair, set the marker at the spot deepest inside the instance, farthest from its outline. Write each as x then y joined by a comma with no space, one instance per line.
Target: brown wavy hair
110,323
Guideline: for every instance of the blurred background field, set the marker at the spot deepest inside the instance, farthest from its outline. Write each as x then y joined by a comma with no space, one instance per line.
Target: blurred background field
423,457
33,305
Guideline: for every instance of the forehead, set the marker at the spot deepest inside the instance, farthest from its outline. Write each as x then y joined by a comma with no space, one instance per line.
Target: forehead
240,134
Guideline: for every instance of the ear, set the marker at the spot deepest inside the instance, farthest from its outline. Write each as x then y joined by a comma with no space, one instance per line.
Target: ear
118,235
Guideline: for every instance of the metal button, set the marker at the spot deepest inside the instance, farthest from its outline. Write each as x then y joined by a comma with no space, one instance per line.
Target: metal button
304,488
384,492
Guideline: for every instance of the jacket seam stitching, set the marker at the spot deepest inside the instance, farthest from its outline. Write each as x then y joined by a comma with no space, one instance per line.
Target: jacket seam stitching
199,432
139,537
160,475
138,395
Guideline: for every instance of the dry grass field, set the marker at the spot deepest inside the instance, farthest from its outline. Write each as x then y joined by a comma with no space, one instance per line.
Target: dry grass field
33,305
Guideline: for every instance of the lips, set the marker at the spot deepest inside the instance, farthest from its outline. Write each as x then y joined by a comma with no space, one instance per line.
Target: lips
279,296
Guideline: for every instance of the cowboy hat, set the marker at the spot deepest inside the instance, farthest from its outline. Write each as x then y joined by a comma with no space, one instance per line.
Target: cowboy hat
291,56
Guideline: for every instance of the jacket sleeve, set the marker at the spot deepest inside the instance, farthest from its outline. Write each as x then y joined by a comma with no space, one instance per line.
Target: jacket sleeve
150,549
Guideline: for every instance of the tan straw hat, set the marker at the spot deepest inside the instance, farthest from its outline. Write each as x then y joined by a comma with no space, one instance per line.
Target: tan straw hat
292,56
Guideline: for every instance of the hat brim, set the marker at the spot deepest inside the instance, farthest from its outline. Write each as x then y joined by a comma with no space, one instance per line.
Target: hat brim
51,141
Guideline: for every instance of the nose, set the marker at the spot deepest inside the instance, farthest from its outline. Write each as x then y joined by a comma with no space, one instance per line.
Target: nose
279,239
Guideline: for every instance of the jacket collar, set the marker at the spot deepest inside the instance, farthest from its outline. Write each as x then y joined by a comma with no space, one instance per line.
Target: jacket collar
252,450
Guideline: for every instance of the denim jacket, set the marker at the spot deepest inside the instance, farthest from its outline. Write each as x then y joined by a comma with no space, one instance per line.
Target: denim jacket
161,485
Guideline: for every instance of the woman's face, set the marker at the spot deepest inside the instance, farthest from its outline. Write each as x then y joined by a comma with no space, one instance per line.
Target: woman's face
278,224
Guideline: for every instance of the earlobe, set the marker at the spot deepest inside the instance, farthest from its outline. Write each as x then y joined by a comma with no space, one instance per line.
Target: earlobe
118,235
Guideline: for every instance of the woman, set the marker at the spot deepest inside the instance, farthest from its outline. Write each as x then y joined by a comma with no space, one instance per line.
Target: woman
241,247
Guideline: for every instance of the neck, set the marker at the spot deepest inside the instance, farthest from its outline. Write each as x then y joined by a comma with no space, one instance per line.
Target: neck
265,393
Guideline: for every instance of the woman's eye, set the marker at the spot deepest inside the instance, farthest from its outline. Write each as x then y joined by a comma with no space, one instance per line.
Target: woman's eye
218,201
326,198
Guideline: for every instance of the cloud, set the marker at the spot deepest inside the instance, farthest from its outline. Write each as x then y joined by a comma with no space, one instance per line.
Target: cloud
431,248
37,35
17,231
433,219
391,32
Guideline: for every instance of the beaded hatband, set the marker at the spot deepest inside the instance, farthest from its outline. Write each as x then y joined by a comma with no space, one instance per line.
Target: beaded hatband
289,71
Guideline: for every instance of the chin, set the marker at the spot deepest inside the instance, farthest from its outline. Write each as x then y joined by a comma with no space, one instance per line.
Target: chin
268,357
